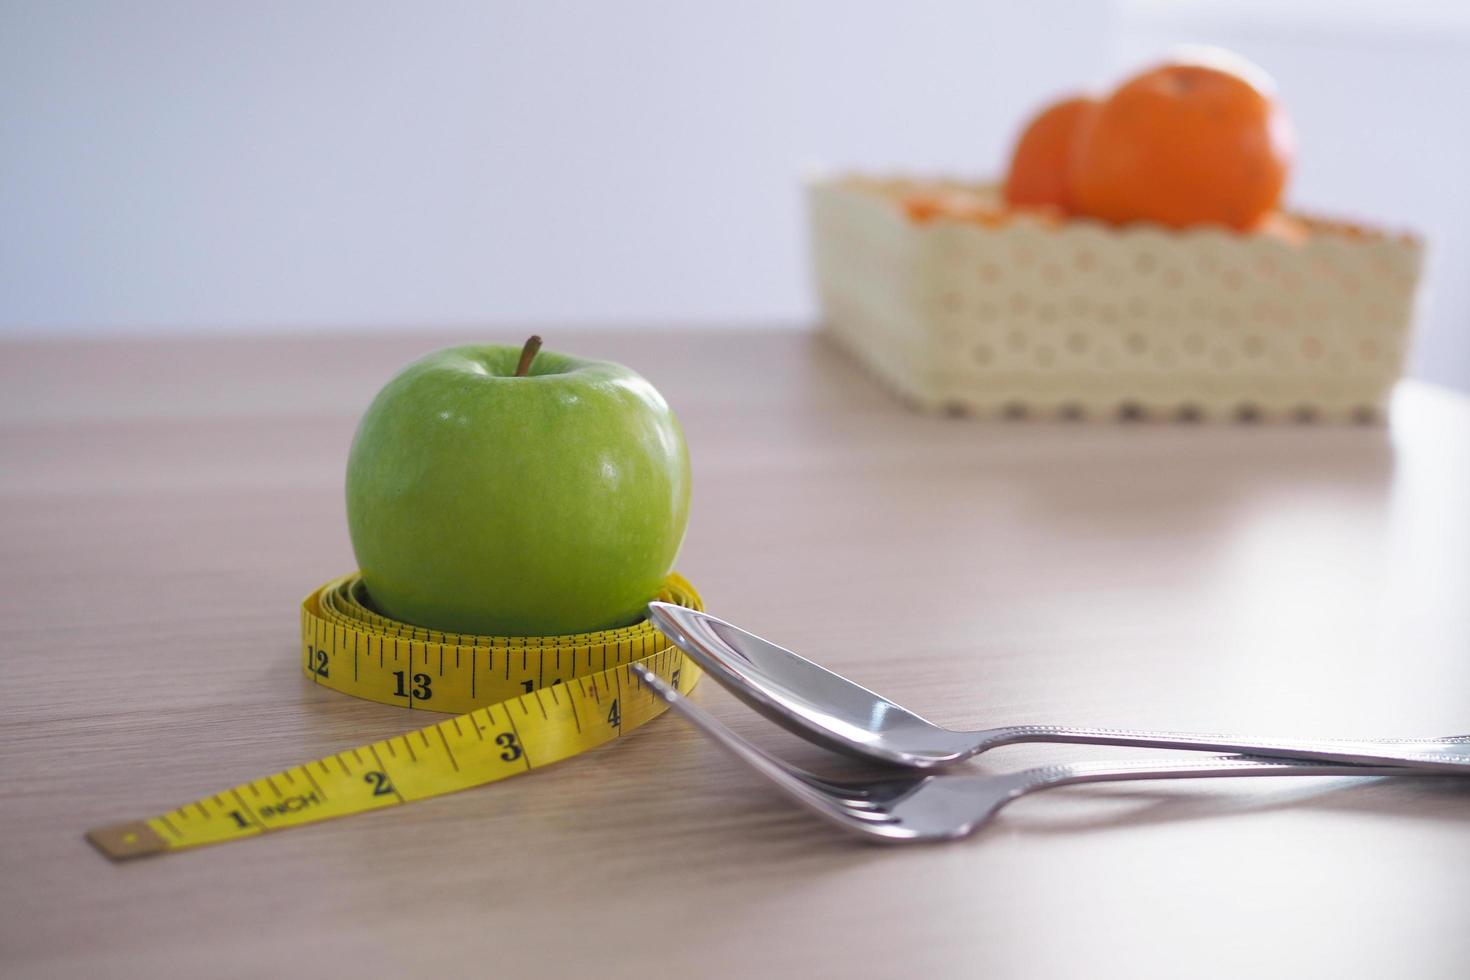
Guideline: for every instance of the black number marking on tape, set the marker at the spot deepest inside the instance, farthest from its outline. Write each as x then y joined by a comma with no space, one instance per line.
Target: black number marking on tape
529,686
421,686
289,805
240,820
319,663
380,783
674,679
614,716
511,749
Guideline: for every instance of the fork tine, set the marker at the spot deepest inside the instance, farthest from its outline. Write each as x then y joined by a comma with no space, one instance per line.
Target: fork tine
800,785
883,818
851,792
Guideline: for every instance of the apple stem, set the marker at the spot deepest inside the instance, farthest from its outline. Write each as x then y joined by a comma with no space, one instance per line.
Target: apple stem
528,354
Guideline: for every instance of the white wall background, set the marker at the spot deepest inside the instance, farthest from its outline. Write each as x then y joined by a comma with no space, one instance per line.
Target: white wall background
337,165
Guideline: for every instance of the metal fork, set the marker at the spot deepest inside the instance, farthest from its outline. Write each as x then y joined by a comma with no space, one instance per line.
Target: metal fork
926,807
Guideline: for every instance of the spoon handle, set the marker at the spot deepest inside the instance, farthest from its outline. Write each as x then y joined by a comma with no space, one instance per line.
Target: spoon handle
1447,754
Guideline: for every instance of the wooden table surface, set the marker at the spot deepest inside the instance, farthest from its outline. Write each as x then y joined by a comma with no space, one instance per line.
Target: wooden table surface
167,503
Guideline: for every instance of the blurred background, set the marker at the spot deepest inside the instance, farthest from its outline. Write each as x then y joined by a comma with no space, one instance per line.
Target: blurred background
334,166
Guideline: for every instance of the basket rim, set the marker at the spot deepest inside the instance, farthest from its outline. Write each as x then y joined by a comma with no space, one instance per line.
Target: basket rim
1321,228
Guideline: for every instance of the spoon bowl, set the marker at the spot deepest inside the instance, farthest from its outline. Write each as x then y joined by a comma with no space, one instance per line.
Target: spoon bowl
807,699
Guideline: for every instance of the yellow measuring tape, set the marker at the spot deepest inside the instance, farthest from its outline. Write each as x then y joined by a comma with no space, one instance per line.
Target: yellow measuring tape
521,703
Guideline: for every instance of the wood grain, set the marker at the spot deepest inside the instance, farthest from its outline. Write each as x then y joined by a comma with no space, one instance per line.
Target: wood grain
165,504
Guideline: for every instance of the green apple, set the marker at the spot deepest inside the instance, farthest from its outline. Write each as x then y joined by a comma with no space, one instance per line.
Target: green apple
495,490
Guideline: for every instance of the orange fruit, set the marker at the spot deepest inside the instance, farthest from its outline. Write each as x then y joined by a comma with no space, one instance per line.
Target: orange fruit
1196,141
1038,173
923,205
1283,227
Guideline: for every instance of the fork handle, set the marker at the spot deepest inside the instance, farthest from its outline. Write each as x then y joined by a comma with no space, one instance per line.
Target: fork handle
1067,774
1446,754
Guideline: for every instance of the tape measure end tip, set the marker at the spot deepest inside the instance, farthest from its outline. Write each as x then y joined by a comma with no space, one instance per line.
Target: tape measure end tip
126,841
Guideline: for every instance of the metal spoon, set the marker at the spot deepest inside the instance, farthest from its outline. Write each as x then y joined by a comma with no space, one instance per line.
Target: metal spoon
831,710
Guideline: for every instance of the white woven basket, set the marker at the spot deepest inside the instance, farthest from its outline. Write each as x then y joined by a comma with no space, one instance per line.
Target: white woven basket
1078,319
